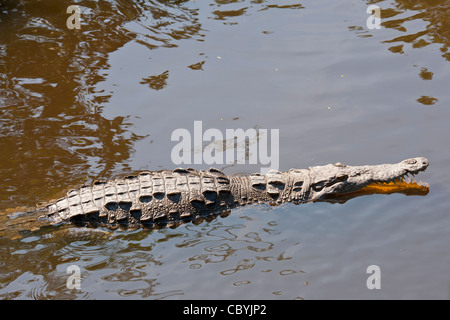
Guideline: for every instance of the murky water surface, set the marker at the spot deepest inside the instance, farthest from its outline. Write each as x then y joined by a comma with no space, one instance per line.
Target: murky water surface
102,101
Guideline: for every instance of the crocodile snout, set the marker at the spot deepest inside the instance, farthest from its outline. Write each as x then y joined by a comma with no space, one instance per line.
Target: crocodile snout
417,162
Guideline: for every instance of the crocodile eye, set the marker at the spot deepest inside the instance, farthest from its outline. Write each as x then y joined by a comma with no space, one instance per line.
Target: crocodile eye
341,178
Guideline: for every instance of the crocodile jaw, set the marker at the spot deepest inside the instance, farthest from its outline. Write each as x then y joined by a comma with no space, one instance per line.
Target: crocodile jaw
340,181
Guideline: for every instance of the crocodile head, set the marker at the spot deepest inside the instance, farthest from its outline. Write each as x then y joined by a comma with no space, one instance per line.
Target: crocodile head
339,182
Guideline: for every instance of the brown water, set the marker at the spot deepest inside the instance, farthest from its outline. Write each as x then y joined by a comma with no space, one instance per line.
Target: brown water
103,100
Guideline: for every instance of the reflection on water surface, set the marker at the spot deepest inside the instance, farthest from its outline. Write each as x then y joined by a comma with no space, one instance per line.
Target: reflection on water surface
101,101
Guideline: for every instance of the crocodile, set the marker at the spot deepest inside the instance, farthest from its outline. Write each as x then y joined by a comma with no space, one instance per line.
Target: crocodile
169,198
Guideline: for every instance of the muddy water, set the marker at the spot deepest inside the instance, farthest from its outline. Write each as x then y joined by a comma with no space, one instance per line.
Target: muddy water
103,101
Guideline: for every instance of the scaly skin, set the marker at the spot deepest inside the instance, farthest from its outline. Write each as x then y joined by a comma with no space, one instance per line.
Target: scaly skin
154,199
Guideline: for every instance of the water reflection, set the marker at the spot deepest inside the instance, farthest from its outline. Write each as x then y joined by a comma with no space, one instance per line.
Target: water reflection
130,264
53,134
433,13
157,82
419,24
408,17
34,267
228,9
